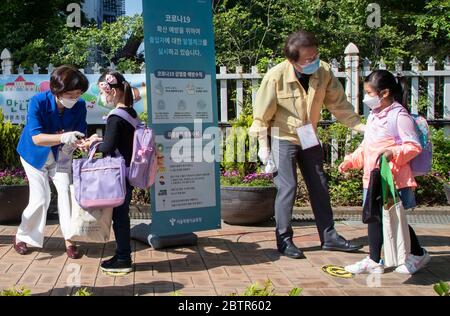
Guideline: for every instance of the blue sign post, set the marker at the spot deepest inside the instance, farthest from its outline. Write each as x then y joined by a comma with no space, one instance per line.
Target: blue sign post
182,110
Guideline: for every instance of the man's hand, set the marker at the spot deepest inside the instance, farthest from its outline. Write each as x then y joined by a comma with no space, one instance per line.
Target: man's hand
264,154
362,128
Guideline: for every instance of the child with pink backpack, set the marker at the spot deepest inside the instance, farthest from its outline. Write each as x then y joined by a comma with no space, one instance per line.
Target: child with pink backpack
396,134
125,136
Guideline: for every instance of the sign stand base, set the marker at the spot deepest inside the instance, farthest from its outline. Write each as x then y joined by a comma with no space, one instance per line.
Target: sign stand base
142,232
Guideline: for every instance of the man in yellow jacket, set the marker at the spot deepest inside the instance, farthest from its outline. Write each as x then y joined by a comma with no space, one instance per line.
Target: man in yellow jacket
288,108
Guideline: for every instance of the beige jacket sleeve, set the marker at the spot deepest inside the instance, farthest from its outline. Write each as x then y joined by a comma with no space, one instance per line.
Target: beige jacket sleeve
265,108
336,102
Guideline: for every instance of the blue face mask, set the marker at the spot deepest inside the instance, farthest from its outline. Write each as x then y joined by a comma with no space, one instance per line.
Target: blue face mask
311,68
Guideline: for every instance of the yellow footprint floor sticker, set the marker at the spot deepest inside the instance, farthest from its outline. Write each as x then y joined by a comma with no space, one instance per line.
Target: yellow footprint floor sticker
115,274
337,272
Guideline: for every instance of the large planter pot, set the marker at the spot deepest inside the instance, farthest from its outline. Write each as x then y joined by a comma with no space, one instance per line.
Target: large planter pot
13,200
247,205
447,192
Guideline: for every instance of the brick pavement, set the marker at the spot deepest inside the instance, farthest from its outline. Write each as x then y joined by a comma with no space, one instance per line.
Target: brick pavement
224,261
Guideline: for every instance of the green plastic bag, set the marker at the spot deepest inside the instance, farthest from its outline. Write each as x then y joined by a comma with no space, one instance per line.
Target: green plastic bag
387,182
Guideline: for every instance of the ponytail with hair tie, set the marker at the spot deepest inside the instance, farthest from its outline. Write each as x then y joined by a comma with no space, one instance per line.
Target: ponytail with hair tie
115,80
128,94
402,91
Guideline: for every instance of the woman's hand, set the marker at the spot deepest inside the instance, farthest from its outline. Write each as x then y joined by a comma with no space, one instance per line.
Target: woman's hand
72,138
345,166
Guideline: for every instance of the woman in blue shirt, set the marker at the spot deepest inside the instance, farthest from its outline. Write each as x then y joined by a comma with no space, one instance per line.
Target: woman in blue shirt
56,123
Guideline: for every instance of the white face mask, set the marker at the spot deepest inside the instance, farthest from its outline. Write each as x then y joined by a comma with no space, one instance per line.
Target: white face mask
68,103
372,102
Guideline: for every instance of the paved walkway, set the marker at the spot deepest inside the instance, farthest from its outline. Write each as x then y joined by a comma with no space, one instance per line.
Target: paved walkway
224,262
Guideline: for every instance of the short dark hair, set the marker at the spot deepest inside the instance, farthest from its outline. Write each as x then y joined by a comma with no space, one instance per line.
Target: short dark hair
298,40
67,78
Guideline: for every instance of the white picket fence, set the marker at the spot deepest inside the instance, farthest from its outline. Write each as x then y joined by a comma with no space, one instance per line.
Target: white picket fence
353,75
235,88
232,91
427,81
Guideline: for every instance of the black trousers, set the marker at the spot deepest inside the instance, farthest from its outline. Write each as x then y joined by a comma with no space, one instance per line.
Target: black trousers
121,227
287,157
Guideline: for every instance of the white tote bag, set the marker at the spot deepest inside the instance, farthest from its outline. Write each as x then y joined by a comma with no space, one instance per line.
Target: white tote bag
89,226
396,239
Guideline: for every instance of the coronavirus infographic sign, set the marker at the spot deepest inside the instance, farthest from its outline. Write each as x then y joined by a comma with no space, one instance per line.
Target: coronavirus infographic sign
180,59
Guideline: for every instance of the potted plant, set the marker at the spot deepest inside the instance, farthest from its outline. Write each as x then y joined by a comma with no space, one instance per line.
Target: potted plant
441,163
247,194
14,195
247,199
13,182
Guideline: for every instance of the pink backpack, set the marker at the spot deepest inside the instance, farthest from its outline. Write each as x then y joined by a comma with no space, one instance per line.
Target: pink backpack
421,164
143,167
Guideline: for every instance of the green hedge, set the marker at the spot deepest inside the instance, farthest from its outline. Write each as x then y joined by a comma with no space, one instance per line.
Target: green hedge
9,138
345,190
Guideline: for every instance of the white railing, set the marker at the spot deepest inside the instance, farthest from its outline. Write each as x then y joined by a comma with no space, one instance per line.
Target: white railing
353,75
236,87
232,91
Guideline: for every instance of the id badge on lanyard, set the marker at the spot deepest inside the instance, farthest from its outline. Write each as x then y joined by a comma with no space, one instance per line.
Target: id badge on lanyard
308,137
306,133
64,163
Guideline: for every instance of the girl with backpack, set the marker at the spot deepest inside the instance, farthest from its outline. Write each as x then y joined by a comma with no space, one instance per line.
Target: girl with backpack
385,93
117,93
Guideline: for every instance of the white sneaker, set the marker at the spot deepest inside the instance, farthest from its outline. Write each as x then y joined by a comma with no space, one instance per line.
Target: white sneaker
414,263
365,266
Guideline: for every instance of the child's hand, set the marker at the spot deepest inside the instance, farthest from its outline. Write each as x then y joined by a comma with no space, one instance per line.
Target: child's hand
345,166
95,138
160,160
86,145
389,154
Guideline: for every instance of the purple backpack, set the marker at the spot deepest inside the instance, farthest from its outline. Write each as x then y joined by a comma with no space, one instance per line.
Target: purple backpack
421,164
99,183
143,167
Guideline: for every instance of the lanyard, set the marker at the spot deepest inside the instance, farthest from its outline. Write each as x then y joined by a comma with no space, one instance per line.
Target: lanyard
295,108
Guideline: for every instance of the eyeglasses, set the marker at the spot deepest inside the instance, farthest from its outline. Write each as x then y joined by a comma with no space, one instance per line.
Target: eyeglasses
307,61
